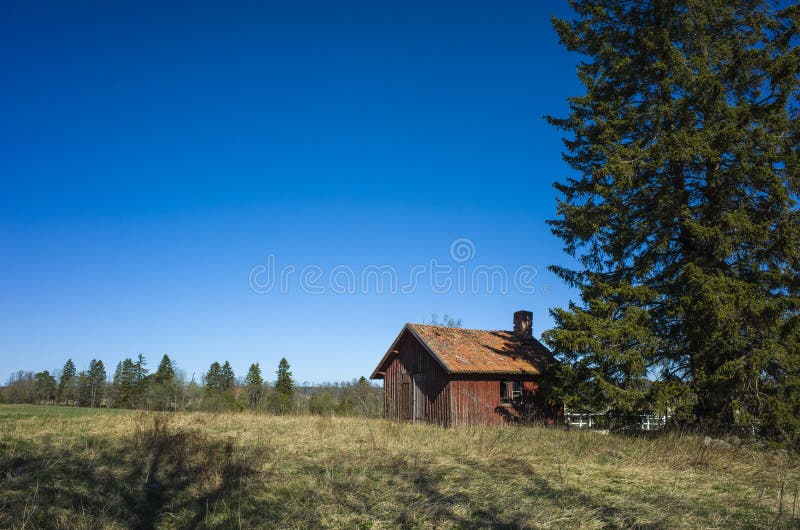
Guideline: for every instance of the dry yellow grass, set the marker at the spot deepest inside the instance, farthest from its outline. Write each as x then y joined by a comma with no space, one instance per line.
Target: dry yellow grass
88,469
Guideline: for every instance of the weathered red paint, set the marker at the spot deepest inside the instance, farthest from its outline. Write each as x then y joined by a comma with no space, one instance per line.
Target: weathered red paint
452,399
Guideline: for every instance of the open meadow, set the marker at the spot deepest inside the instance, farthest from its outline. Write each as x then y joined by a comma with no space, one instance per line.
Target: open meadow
83,468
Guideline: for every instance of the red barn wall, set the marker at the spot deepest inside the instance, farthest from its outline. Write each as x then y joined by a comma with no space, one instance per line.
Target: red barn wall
413,358
476,400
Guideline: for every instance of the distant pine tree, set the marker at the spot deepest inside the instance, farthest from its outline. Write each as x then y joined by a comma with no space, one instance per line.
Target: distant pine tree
284,387
125,386
213,382
255,386
141,380
66,381
227,377
96,377
165,374
164,389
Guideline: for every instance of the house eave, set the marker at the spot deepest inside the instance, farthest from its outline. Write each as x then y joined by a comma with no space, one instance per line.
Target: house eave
493,373
380,371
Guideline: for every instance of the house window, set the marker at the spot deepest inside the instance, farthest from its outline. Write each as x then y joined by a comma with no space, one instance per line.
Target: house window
510,392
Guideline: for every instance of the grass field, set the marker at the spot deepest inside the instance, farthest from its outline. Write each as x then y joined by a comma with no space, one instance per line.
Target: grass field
79,468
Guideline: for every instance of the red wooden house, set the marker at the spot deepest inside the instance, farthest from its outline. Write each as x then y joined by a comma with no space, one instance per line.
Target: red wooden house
454,376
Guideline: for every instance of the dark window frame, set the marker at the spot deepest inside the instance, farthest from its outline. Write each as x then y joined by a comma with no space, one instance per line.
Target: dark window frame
510,392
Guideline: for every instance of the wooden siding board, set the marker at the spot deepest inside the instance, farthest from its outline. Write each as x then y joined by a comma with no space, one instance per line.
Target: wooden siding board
476,400
410,358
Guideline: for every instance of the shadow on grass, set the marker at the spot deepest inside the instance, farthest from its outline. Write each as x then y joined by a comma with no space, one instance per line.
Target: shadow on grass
161,476
432,497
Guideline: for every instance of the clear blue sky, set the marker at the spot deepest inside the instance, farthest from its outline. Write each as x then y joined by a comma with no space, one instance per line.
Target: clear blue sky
154,153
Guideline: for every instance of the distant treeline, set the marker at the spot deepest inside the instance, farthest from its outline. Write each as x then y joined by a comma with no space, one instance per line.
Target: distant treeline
133,386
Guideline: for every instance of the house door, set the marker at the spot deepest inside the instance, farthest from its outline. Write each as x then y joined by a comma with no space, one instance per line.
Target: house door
406,402
419,397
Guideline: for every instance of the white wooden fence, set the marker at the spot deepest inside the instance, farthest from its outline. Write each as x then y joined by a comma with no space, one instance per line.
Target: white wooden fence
643,422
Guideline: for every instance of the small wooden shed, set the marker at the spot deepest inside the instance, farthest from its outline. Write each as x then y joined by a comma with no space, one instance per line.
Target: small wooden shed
455,376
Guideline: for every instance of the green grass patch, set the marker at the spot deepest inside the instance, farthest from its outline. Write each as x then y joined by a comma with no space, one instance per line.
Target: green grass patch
17,412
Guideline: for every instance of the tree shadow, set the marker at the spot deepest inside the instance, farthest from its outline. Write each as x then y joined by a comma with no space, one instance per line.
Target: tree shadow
438,503
134,482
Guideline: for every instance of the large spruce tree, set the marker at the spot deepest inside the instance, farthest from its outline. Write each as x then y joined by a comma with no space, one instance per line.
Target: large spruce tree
683,213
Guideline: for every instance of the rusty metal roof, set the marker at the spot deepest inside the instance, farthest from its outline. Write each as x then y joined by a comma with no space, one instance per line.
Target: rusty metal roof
476,351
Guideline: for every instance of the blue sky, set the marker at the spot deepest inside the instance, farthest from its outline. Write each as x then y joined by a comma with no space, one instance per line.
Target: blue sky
154,156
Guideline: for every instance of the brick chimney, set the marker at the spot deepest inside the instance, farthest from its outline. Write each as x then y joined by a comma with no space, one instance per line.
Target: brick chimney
523,325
